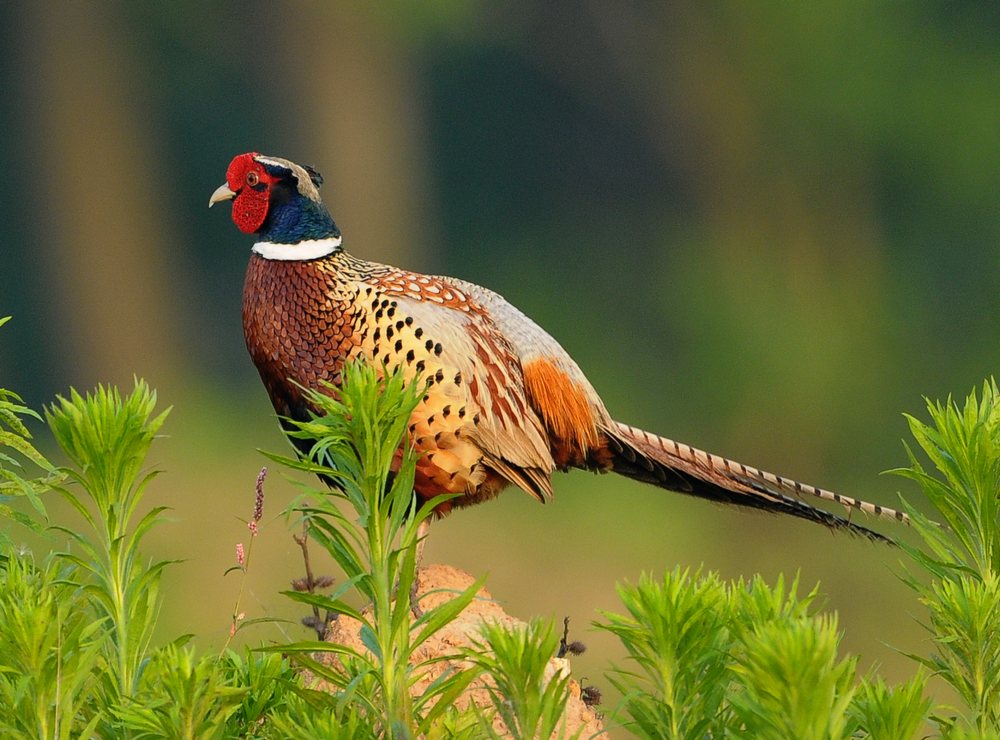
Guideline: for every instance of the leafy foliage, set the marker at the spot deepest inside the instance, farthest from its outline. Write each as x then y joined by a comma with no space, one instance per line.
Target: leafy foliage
265,682
356,441
307,718
76,632
791,683
17,452
182,695
963,445
708,658
715,659
530,702
107,437
887,712
676,634
50,646
962,557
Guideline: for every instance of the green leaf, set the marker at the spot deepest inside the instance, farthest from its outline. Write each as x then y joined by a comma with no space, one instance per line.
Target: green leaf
320,601
370,641
310,646
437,618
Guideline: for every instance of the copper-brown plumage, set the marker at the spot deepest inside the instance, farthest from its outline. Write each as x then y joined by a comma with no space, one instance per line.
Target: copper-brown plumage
504,403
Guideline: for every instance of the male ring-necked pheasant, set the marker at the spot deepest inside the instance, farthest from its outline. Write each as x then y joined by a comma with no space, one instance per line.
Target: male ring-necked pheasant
505,405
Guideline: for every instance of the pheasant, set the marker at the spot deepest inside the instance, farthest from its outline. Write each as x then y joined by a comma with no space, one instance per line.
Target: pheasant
505,404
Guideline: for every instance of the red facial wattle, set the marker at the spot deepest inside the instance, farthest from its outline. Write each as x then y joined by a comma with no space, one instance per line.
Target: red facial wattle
252,185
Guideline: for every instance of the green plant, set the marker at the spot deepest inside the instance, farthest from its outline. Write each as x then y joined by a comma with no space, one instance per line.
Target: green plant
356,440
182,696
133,689
17,451
714,659
107,437
963,445
50,648
310,715
267,681
676,635
961,559
515,662
708,658
885,712
76,633
791,683
789,680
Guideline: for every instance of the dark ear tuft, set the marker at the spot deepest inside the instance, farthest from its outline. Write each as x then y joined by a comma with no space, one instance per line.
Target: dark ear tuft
313,175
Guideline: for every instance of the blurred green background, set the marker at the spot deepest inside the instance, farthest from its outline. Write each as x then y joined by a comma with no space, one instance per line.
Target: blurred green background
766,229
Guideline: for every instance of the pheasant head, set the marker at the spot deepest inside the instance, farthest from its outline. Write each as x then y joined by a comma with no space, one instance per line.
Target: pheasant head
277,200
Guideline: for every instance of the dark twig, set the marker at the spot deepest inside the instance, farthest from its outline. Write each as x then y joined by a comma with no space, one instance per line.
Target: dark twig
311,584
565,646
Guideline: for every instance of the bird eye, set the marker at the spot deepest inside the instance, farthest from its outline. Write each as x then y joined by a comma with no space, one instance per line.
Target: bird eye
252,179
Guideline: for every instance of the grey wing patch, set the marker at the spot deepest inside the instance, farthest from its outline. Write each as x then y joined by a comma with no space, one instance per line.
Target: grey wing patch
531,342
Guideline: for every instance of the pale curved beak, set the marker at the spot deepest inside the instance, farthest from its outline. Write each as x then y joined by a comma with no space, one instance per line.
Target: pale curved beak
221,193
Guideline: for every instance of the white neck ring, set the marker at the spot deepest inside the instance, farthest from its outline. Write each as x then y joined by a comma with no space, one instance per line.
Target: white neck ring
309,249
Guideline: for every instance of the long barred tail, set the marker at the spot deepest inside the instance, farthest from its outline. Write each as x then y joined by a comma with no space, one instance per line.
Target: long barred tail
680,467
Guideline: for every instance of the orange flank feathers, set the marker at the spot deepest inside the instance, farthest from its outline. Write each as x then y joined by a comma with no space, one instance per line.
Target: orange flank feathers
565,409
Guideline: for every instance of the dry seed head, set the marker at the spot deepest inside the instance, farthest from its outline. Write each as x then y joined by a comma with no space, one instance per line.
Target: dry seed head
258,508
